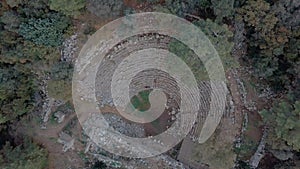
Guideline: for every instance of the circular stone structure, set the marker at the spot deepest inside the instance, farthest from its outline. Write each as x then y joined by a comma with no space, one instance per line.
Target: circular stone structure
108,72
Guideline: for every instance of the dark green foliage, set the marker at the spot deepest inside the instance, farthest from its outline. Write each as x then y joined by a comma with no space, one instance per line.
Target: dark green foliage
106,8
222,9
185,8
181,8
25,156
13,47
17,80
29,52
67,7
273,44
8,41
99,165
177,7
37,53
33,9
204,3
62,71
248,147
43,32
221,37
242,165
284,120
188,56
88,29
216,10
287,11
11,21
13,55
48,31
13,3
16,92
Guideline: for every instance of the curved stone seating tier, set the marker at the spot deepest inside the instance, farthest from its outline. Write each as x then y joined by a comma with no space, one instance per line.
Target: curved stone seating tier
147,79
116,56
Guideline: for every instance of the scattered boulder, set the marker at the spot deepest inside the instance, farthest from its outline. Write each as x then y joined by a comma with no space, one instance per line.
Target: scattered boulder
60,116
67,141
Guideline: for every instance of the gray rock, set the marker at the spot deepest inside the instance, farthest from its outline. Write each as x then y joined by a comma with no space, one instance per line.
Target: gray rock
60,116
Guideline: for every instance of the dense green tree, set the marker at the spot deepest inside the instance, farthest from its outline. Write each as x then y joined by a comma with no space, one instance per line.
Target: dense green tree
106,8
48,31
14,3
181,8
61,71
269,38
256,12
216,10
11,21
204,3
16,92
222,9
287,11
99,165
25,156
36,55
8,41
284,120
67,7
221,37
273,46
33,9
177,7
42,31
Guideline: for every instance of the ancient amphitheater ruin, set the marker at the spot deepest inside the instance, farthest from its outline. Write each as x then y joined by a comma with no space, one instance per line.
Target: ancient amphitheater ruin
130,137
148,80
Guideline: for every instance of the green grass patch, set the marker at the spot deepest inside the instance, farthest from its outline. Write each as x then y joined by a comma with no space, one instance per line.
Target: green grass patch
141,100
193,62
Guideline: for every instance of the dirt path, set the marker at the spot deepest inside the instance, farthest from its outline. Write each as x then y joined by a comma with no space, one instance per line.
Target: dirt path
48,139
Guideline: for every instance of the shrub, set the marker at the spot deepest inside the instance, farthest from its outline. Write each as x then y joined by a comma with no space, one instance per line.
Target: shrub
67,7
48,31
